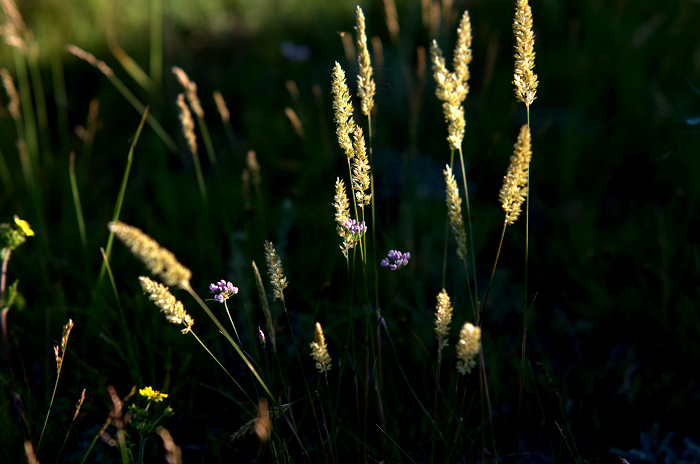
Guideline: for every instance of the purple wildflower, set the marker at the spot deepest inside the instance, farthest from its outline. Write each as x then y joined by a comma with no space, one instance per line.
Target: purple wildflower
398,260
224,290
354,227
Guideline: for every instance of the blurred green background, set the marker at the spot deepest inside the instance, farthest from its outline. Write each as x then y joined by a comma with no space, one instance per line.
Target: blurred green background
614,262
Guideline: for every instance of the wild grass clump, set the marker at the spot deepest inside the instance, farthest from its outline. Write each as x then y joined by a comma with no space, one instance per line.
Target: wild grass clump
389,392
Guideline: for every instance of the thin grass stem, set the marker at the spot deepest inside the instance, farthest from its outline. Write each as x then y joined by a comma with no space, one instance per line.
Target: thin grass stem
78,207
122,192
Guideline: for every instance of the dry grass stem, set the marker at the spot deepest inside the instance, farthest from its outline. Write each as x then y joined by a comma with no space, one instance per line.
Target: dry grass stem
29,453
454,211
187,124
515,183
249,427
254,169
14,30
296,122
221,107
524,79
265,306
360,169
345,124
169,305
392,20
365,83
12,94
274,269
443,318
319,351
263,426
173,453
158,260
90,58
468,347
190,91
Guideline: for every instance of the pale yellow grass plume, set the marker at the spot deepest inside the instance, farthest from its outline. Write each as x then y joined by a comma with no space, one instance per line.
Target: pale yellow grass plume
360,169
365,83
170,306
515,183
221,107
60,350
173,453
158,260
342,215
452,87
274,268
524,79
443,318
319,351
187,124
11,90
90,58
342,108
190,91
462,55
265,307
454,211
468,347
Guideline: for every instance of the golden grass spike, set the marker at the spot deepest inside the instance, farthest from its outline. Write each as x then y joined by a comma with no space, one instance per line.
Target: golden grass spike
524,79
169,305
342,109
274,268
515,183
468,347
454,211
360,169
443,318
342,215
187,124
90,58
11,90
365,83
158,260
452,91
190,89
319,351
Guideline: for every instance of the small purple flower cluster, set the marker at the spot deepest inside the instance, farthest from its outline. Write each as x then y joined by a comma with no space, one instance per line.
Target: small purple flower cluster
399,260
354,227
224,290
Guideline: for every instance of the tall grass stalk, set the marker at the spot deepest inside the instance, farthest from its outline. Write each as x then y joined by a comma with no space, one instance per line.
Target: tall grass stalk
60,351
120,195
129,64
78,208
156,42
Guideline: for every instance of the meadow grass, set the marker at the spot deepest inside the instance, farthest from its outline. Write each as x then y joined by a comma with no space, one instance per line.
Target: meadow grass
357,369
